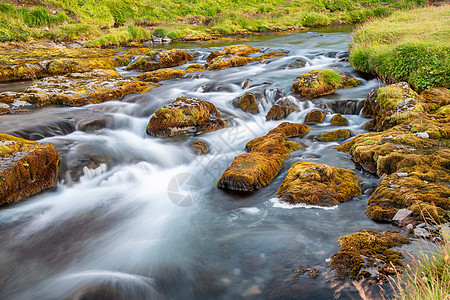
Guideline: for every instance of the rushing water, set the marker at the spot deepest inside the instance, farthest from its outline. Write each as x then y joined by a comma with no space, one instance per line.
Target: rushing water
149,223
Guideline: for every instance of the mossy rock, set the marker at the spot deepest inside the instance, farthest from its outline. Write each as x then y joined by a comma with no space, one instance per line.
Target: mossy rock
281,109
195,68
124,59
436,97
78,89
369,149
160,75
366,250
419,183
249,102
318,184
185,114
26,168
391,105
318,83
256,169
164,59
332,136
339,120
236,56
314,117
237,50
200,147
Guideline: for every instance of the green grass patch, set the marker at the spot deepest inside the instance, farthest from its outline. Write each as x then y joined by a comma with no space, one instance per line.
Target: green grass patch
103,19
412,46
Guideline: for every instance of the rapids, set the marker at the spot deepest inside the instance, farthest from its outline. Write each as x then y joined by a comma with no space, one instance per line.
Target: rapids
146,221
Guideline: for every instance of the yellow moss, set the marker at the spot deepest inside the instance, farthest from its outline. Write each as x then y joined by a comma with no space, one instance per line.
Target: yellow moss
335,135
160,75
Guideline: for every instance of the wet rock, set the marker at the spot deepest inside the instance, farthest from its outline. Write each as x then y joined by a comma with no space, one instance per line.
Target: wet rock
314,117
345,107
331,136
339,120
200,147
382,152
235,56
194,68
363,251
159,60
77,89
160,75
125,58
249,102
421,233
281,109
401,215
318,83
425,192
349,82
256,169
39,63
26,168
185,114
318,184
297,64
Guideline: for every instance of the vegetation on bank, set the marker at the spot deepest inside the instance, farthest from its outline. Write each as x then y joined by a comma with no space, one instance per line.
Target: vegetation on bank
412,46
111,22
429,276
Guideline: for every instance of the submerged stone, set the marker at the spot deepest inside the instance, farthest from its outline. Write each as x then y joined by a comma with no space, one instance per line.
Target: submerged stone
26,168
318,184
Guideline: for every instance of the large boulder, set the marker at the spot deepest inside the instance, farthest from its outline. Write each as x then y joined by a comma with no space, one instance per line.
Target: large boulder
257,168
318,83
185,114
368,254
26,168
318,184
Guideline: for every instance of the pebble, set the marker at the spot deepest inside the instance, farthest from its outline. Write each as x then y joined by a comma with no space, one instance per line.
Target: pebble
421,233
423,135
402,174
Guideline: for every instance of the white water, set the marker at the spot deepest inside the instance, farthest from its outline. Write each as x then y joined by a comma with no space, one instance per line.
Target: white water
147,222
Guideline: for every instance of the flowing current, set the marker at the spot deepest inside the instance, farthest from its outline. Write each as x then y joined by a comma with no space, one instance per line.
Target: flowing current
145,219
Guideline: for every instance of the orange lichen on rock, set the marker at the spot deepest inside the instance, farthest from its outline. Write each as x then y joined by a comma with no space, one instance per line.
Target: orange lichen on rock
318,184
185,114
200,147
367,254
26,168
247,102
256,169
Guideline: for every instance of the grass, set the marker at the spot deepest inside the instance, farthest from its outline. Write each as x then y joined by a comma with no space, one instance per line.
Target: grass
412,46
429,277
108,21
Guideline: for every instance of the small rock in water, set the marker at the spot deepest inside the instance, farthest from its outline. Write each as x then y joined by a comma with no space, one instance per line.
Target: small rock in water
421,233
409,228
401,215
402,174
253,291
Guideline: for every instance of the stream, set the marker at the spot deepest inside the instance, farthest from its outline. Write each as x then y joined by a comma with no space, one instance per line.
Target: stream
146,221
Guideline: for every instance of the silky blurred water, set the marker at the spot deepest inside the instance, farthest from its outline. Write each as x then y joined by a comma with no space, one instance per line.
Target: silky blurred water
147,222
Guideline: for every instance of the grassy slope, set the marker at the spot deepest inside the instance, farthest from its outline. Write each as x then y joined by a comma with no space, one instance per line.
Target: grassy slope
411,46
118,21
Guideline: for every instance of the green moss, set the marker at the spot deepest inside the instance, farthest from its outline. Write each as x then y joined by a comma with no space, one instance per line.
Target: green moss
389,96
